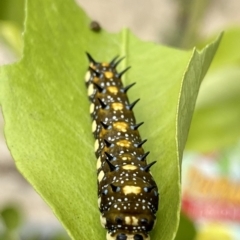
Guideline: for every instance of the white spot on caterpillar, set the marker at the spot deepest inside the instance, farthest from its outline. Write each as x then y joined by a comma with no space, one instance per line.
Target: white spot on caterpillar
87,76
99,202
109,237
91,108
90,90
94,126
103,221
100,176
96,145
99,163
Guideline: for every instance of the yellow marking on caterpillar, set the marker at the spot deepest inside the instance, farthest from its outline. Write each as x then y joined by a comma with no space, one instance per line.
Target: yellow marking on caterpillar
121,126
102,132
125,158
108,74
117,106
131,189
134,221
95,79
104,64
92,66
124,143
129,167
113,89
128,220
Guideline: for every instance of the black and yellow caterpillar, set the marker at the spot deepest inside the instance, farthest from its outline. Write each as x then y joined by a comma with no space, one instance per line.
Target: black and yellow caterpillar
127,193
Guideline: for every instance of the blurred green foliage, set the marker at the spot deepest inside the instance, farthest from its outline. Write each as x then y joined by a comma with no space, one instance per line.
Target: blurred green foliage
216,121
12,221
11,217
12,11
11,24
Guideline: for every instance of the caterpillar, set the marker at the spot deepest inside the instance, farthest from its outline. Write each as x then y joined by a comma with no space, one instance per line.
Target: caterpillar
127,193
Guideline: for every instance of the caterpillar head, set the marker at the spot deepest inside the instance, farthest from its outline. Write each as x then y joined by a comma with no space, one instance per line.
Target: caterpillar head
122,235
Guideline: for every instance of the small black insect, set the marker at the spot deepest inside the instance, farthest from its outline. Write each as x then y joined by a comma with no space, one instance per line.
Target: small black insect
95,26
127,193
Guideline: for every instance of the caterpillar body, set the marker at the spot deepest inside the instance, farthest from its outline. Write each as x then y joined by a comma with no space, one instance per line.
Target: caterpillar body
127,193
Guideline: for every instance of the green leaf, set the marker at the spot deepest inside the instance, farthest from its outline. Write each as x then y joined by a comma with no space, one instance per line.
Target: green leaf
11,217
46,111
226,55
216,119
186,229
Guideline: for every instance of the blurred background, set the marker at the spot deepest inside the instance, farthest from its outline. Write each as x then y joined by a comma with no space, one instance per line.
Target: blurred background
211,172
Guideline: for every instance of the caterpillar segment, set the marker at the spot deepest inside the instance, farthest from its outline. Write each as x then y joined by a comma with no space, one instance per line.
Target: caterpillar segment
127,193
